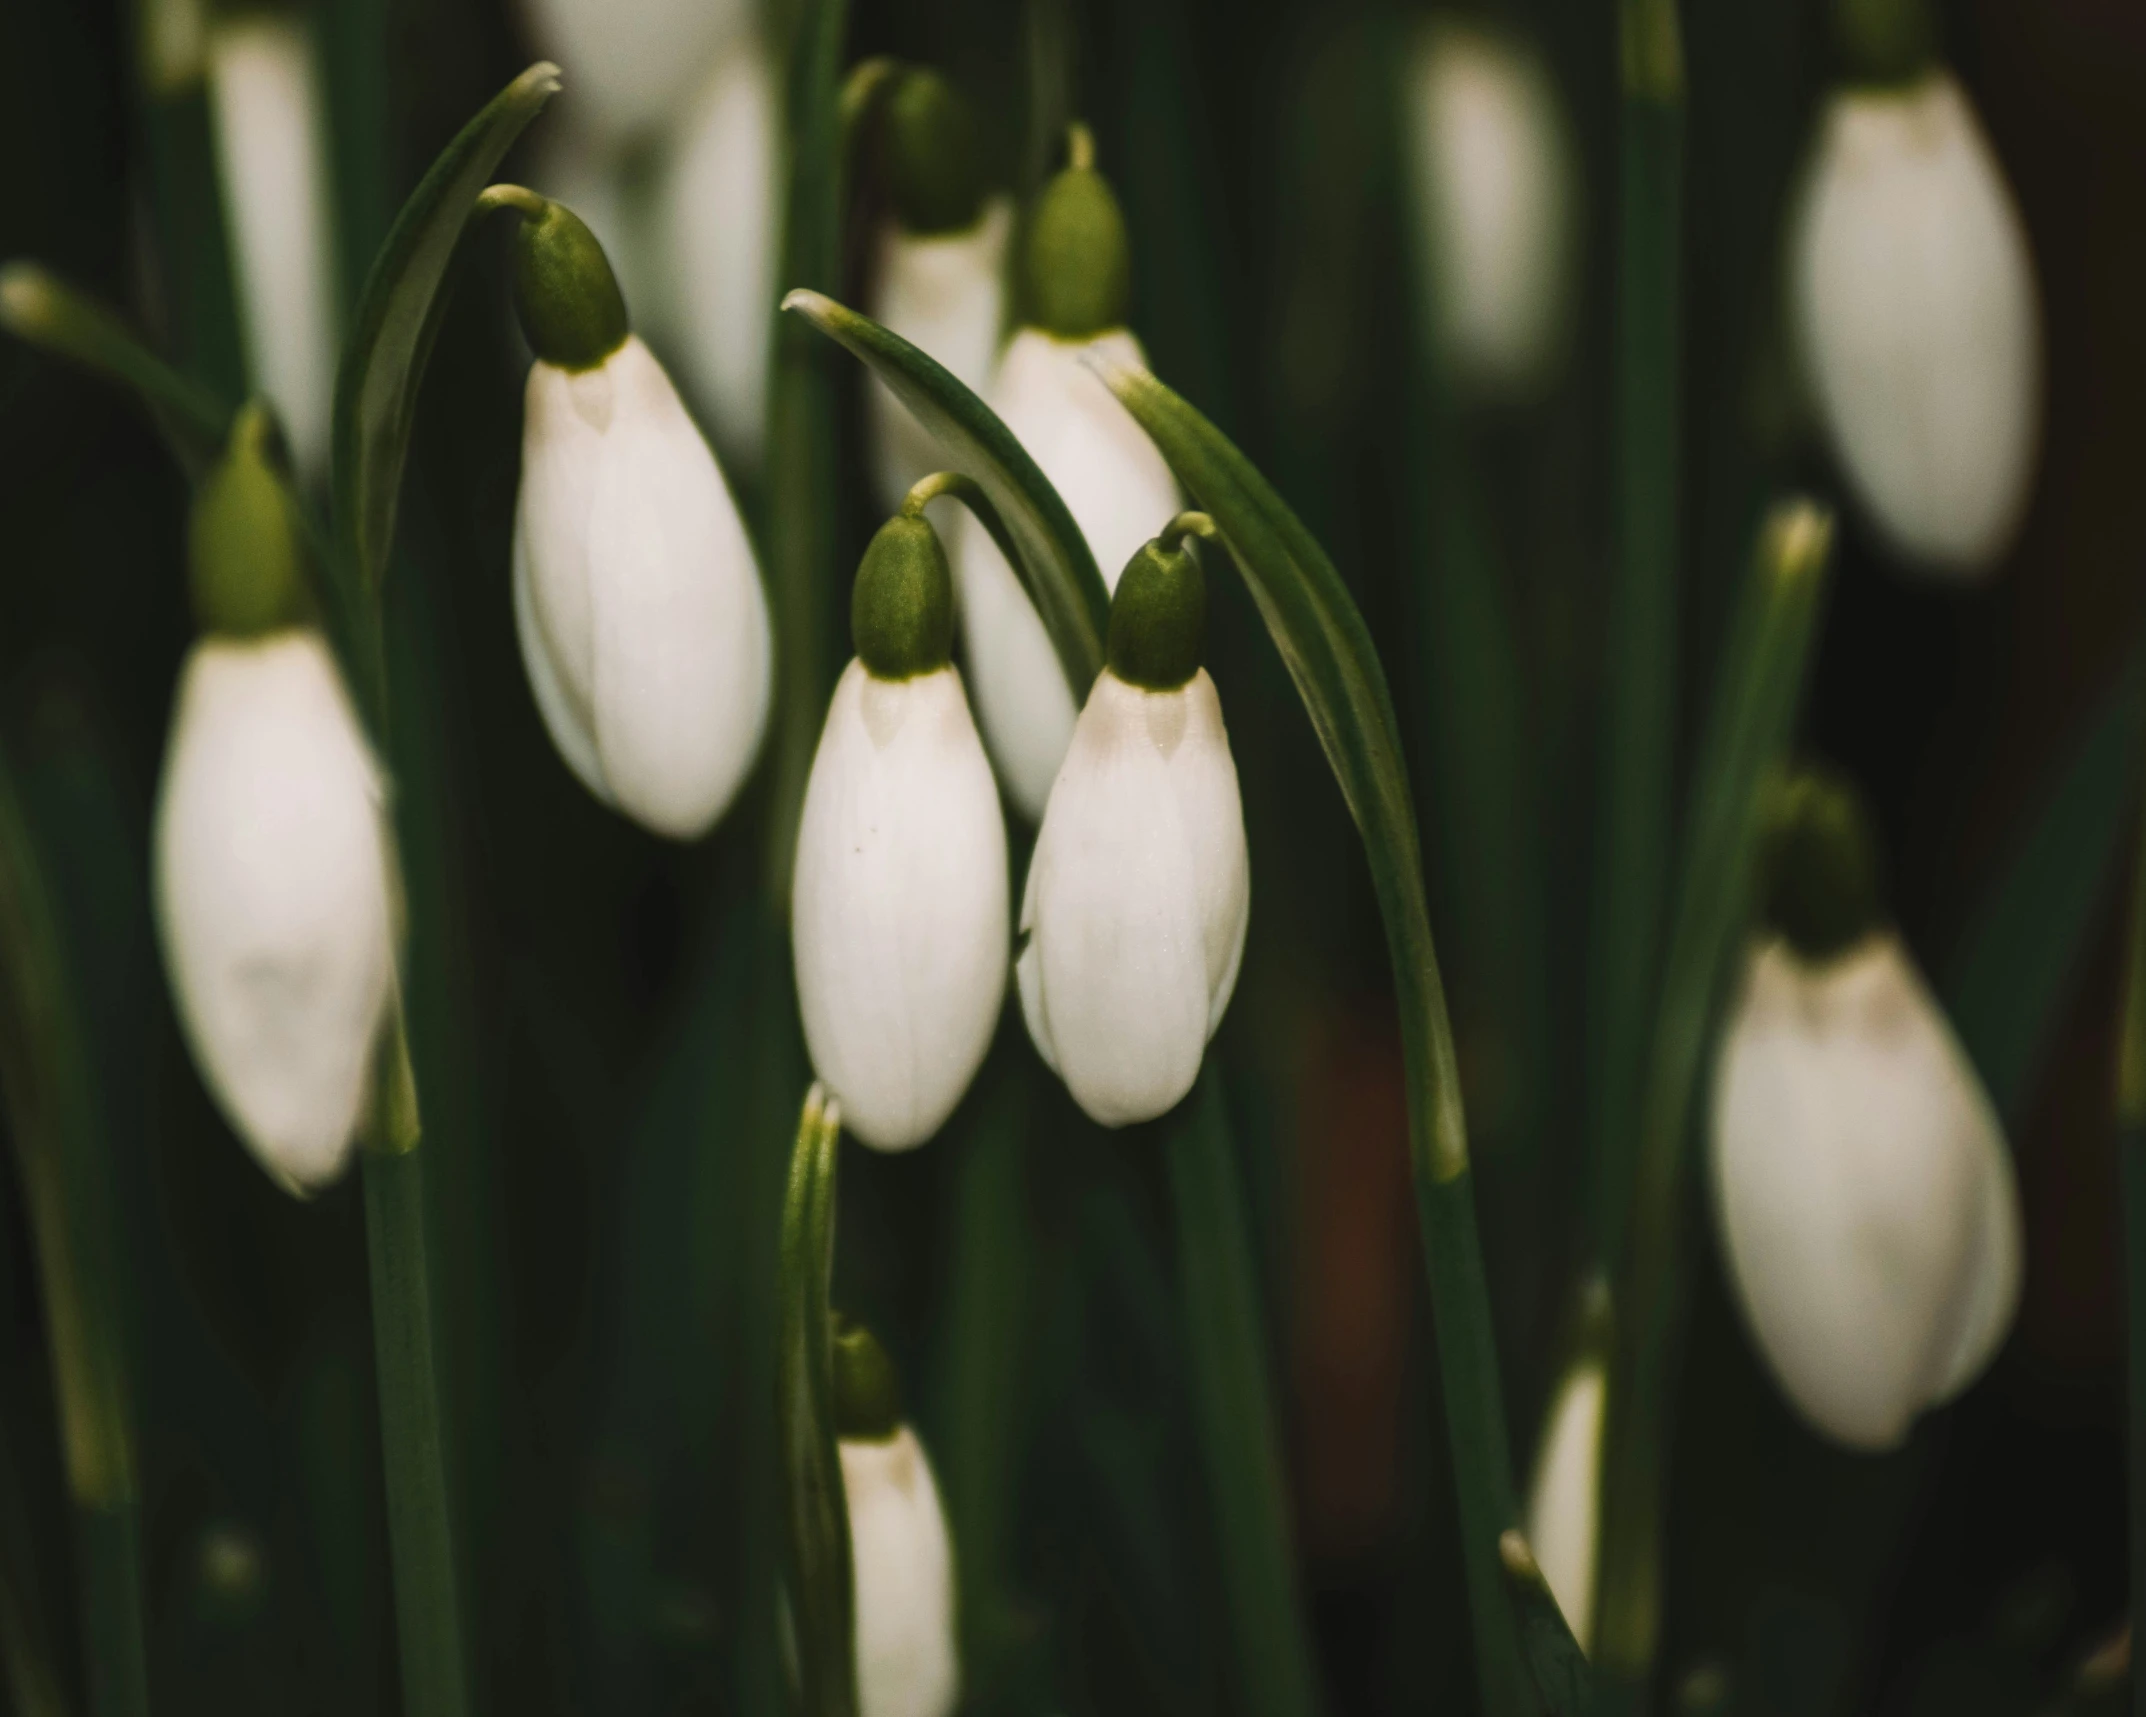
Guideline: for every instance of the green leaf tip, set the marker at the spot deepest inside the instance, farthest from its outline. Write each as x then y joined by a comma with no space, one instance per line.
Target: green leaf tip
1158,617
901,609
1818,862
565,294
245,548
935,168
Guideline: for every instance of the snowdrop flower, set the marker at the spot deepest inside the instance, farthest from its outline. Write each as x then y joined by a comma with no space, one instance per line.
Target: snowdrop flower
1864,1200
1117,486
1914,313
1140,889
901,1553
271,152
1564,1512
717,218
633,62
941,271
1490,164
273,891
898,915
642,620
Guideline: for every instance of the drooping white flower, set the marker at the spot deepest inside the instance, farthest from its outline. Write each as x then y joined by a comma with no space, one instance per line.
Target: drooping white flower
1490,163
1565,1498
945,293
907,1664
1862,1193
1915,315
1137,900
273,896
718,221
642,620
1120,492
632,63
271,152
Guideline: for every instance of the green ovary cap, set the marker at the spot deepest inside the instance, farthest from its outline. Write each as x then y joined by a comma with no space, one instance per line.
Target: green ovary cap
868,1393
571,310
245,554
1158,619
1818,863
1885,41
1077,261
935,174
901,610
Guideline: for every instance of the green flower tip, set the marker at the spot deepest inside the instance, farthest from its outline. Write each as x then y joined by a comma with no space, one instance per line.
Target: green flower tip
246,556
868,1393
571,310
1885,41
901,610
1818,862
935,171
1158,618
1077,260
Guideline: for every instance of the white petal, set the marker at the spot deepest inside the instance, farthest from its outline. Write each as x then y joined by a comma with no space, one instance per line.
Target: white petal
898,915
273,897
1492,177
680,662
1849,1185
1990,1301
272,153
564,720
565,417
1914,307
904,1579
1119,984
945,294
628,64
1203,775
1565,1498
1120,492
719,213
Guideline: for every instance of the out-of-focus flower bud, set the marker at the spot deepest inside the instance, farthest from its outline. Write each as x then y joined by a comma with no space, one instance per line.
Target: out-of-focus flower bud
631,63
1140,889
273,890
642,620
898,910
271,150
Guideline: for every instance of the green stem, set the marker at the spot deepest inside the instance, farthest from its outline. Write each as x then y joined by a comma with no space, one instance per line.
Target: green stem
1747,735
2131,1143
1633,846
1233,1402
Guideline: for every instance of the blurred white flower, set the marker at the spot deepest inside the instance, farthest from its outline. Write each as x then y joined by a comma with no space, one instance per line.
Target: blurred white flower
1120,491
907,1664
629,64
1564,1512
273,896
271,153
1862,1192
1489,159
945,293
898,914
1915,315
719,218
1137,899
642,620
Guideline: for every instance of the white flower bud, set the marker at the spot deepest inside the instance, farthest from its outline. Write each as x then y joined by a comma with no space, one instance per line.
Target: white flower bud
945,293
1120,492
629,64
1137,899
273,896
719,218
1565,1498
907,1664
1914,311
1490,163
1862,1192
898,915
643,624
271,153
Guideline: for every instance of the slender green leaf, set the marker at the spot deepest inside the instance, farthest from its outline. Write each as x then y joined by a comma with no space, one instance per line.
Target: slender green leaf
1747,736
2131,1142
2017,961
38,307
1554,1657
1052,560
814,1507
1327,647
1233,1399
